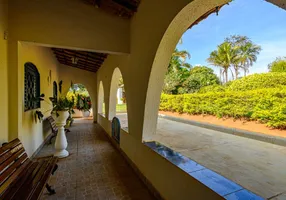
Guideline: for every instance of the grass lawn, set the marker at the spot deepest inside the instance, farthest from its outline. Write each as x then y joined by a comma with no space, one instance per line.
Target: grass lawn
121,108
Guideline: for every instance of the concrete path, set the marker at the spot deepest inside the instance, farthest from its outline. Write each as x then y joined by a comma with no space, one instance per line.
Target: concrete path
258,166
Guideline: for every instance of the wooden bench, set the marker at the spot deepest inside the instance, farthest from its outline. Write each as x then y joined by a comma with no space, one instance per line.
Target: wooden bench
54,128
21,177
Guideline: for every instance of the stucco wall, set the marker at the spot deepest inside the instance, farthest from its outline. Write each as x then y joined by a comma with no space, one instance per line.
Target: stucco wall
70,74
3,72
136,68
67,23
32,132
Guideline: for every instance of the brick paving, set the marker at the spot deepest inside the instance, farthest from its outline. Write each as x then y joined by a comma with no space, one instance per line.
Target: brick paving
94,170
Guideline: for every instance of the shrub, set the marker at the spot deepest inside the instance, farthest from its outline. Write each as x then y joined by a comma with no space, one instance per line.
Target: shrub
258,81
212,88
264,105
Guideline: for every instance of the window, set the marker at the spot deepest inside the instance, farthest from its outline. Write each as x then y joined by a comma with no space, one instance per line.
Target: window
32,87
55,90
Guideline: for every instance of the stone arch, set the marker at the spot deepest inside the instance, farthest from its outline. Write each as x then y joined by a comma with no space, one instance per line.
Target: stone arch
100,98
113,92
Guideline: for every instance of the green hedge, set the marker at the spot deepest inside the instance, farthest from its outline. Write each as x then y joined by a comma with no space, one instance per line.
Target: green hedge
258,81
265,105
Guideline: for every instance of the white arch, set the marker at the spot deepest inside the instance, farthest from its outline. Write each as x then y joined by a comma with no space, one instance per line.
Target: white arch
113,92
100,98
182,21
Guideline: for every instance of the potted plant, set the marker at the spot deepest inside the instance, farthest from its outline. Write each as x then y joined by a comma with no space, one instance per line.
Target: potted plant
84,105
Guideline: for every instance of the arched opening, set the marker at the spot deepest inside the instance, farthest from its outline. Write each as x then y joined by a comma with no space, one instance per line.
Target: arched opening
101,103
211,151
117,101
82,101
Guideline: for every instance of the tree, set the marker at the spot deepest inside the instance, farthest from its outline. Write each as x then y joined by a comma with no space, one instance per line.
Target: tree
279,65
246,51
223,57
174,80
248,55
178,72
200,76
178,60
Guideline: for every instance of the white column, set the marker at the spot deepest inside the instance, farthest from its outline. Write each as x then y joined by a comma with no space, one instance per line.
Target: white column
61,140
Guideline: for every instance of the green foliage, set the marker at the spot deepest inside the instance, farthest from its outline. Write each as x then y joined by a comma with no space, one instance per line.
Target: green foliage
265,105
83,103
279,65
75,90
174,80
258,81
200,76
212,88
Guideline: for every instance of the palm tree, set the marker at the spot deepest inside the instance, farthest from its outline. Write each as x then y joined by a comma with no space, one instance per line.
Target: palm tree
178,60
223,57
248,55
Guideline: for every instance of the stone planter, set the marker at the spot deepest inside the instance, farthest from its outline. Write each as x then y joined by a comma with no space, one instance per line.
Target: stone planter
85,113
61,140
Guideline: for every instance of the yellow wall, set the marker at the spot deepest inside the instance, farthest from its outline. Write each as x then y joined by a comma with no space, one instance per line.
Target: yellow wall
148,39
68,23
3,72
32,132
148,28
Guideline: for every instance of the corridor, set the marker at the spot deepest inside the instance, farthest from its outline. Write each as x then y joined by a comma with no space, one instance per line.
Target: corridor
94,170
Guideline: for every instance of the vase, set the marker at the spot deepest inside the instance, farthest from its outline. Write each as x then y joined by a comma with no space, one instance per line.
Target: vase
85,113
61,140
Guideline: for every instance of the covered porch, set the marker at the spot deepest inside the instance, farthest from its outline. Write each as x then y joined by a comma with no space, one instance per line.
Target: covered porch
95,169
94,43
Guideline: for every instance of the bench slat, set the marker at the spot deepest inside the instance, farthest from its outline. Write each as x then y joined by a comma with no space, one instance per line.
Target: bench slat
10,152
21,178
31,181
11,185
10,160
8,172
42,182
10,145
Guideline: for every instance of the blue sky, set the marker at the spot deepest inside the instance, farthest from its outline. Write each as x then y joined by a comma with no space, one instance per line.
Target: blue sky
263,22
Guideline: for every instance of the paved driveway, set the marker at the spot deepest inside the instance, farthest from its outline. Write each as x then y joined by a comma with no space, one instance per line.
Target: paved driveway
258,166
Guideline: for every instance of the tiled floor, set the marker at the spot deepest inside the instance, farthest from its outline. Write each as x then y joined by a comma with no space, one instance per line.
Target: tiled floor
94,170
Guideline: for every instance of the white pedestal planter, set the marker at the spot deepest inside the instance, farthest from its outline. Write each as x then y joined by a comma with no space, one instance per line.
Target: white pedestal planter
61,140
85,113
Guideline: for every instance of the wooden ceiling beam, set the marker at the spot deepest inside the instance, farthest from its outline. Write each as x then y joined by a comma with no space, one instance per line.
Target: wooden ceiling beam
89,61
82,64
127,4
79,67
81,60
122,8
79,55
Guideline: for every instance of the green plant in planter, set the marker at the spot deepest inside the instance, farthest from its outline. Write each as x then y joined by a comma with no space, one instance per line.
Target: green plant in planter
83,103
62,104
59,104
